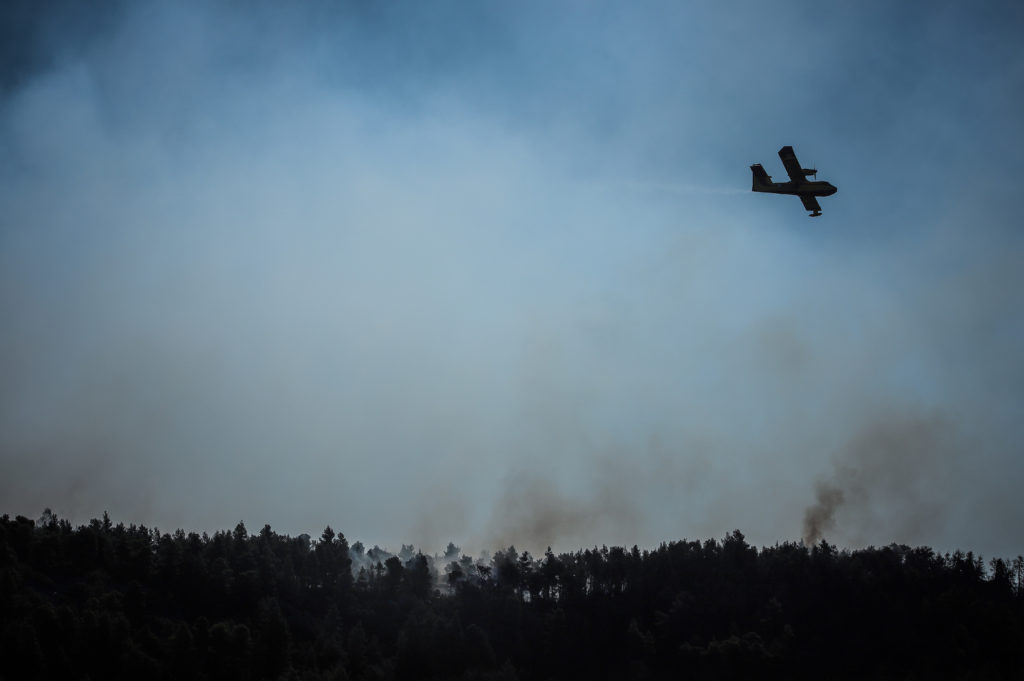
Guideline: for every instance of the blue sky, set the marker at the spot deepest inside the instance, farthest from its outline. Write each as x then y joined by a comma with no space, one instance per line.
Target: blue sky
492,273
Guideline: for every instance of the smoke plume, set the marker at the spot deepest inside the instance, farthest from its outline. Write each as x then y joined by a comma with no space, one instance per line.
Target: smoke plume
888,483
820,518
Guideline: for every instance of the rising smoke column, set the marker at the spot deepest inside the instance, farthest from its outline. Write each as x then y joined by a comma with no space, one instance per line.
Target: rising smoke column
882,483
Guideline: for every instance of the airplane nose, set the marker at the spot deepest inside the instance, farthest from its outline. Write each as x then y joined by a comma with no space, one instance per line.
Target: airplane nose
832,189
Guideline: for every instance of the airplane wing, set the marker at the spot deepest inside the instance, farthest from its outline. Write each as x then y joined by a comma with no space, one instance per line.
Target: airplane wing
792,165
810,203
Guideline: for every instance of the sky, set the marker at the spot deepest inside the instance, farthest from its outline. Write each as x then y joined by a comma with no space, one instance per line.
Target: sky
492,273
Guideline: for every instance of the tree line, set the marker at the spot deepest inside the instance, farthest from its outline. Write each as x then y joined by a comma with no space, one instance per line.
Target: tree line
106,601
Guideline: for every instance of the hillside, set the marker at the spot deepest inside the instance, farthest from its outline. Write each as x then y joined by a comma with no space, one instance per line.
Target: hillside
106,601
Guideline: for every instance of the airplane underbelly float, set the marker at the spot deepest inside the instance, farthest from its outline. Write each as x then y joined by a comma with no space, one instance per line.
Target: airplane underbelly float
798,184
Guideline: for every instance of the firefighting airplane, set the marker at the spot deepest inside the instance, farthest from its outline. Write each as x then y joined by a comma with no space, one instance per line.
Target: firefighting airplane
798,184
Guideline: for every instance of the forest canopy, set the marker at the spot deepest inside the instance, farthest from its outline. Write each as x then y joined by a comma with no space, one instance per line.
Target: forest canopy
105,600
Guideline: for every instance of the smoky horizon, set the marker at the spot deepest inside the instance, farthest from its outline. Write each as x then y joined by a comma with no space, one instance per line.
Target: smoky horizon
495,276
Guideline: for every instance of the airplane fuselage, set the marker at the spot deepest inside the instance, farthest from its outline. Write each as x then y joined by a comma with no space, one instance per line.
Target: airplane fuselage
813,188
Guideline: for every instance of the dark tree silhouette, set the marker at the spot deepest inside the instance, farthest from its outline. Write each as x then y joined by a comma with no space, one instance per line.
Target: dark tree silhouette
126,601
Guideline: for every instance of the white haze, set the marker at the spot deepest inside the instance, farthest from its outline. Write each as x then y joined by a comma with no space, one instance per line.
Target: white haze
264,293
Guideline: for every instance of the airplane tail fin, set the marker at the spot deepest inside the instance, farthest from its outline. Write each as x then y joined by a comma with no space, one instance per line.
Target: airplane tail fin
761,178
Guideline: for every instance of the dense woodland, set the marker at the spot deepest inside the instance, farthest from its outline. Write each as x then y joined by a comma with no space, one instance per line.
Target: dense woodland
106,601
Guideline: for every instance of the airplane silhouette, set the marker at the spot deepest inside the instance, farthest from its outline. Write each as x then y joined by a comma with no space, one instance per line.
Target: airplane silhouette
798,184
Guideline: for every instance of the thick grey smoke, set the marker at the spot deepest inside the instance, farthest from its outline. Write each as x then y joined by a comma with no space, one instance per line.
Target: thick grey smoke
436,273
894,477
821,517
